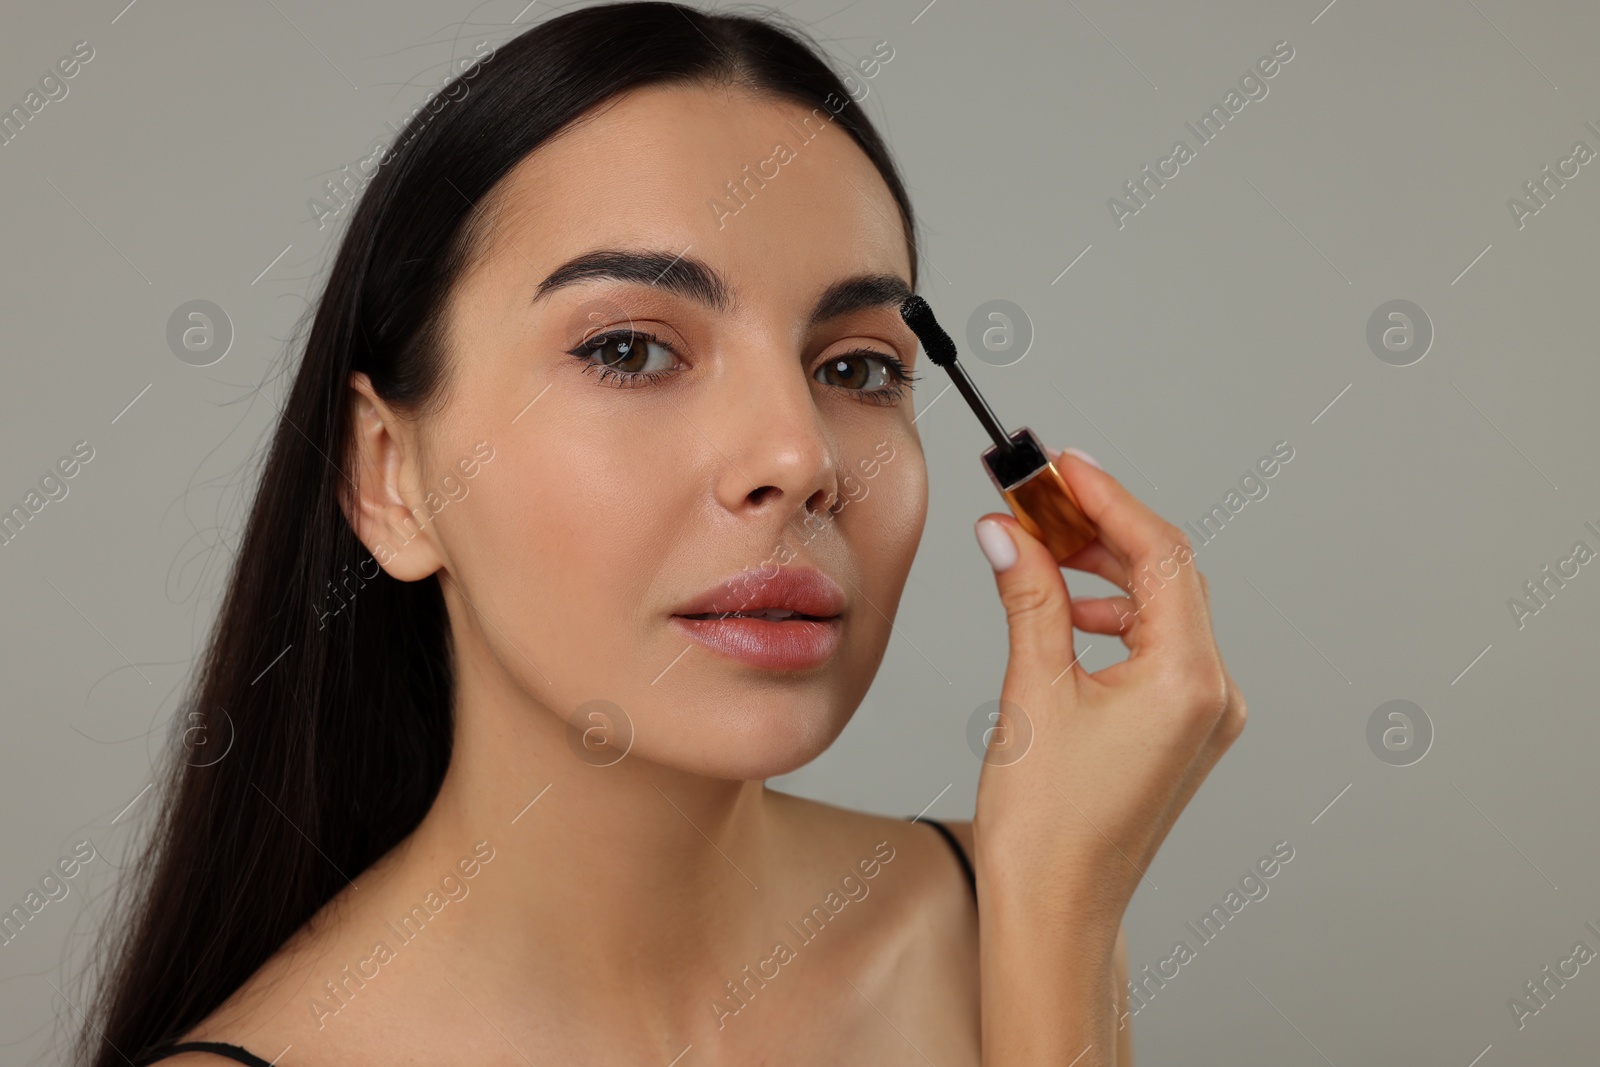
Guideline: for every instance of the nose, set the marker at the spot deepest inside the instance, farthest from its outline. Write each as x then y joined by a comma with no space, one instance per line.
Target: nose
781,457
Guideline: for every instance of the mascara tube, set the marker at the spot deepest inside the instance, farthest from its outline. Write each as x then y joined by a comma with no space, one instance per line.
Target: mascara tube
1038,496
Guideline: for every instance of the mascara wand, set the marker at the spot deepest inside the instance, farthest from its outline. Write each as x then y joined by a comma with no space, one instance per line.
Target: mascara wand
1018,465
919,316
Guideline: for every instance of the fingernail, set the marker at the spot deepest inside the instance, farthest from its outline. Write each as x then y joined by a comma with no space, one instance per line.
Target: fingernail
1081,454
997,545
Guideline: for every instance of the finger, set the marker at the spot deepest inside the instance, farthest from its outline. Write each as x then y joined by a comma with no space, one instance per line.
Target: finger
1132,531
1095,558
1157,557
1117,549
1113,615
1034,594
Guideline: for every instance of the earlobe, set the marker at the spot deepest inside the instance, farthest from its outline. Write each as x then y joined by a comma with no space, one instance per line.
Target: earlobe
382,449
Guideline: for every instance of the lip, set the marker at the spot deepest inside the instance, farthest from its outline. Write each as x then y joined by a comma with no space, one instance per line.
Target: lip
789,645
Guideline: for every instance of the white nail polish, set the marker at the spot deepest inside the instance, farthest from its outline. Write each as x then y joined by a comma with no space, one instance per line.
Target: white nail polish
997,545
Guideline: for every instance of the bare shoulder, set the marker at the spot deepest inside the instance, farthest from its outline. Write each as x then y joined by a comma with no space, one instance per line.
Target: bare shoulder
963,833
266,1015
832,817
933,892
848,825
917,945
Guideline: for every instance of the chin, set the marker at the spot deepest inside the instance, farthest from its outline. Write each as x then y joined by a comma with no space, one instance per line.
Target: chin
753,738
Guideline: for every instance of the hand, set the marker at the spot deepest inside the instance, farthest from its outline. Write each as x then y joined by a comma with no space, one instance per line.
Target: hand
1064,833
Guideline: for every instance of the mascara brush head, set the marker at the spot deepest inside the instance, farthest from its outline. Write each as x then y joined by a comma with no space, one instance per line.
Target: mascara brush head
919,316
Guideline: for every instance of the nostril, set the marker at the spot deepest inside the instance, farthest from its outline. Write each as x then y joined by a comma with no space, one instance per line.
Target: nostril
821,501
760,494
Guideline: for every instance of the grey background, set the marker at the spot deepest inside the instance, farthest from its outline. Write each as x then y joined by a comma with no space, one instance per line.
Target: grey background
1224,317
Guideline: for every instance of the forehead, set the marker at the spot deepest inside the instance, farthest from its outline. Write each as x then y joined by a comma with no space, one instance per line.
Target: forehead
775,196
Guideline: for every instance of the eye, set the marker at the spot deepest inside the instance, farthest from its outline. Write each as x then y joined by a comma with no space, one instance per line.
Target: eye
627,356
878,377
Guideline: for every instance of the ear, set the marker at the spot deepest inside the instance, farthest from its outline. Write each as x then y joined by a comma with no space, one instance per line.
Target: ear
380,506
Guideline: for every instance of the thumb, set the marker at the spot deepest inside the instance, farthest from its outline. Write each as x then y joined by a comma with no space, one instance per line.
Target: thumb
1034,594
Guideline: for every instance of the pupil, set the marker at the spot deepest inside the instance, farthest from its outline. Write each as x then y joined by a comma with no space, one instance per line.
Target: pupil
627,348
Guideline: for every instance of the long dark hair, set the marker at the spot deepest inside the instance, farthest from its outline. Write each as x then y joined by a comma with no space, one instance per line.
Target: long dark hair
341,721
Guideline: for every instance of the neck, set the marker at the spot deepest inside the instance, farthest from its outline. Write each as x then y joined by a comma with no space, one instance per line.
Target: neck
631,875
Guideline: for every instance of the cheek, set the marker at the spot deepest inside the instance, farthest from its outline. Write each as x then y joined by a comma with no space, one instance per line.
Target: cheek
889,523
582,506
884,529
564,535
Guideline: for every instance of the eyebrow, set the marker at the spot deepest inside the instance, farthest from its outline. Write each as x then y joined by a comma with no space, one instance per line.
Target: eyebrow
696,280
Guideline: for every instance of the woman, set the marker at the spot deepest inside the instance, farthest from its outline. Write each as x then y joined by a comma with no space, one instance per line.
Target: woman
578,388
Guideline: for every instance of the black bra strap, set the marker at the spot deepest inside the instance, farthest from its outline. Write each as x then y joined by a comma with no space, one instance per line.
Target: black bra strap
232,1052
955,846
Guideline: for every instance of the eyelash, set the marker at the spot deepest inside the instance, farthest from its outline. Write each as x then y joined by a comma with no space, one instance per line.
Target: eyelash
887,394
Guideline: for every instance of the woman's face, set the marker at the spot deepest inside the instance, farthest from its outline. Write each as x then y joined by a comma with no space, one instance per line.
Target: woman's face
694,420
